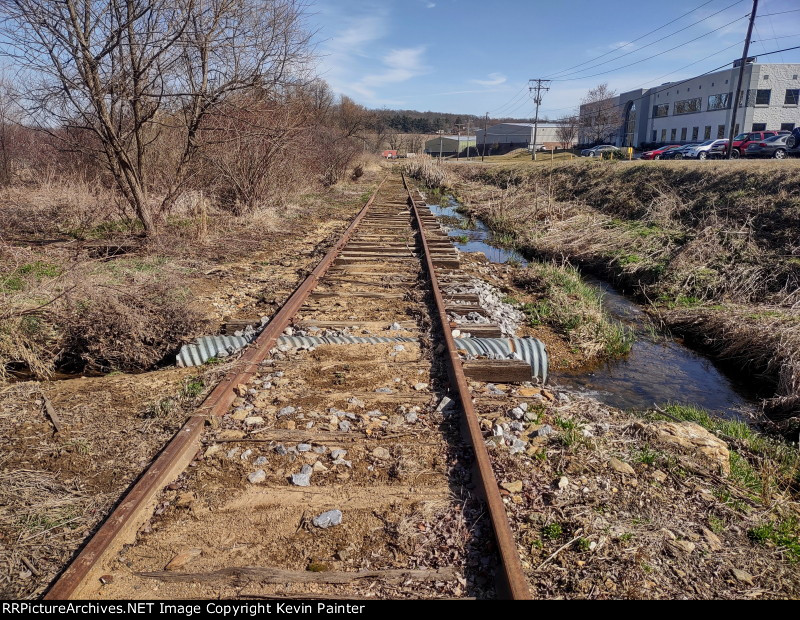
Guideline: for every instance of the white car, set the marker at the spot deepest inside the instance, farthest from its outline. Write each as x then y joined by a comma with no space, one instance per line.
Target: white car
707,150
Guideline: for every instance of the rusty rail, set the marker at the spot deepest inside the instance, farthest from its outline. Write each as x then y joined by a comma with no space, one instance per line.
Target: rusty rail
511,564
182,448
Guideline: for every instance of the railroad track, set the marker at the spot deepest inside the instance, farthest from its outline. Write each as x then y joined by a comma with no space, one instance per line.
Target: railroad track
348,470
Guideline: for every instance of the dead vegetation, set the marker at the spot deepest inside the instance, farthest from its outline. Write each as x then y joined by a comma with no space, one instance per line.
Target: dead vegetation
675,505
713,248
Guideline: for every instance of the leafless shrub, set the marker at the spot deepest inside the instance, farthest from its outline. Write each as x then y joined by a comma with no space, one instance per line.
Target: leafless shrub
127,328
430,172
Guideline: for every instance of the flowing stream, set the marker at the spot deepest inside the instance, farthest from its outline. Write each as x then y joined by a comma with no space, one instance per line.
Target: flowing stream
659,369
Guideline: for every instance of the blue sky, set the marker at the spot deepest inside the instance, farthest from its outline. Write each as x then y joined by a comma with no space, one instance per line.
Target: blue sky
475,56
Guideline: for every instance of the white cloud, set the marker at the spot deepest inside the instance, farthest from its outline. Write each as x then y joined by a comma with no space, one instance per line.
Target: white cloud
399,65
430,5
495,79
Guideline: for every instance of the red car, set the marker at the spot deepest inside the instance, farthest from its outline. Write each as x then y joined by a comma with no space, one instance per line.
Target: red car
743,140
657,153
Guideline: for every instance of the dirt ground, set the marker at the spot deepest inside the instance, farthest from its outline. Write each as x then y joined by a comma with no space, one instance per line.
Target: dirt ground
56,487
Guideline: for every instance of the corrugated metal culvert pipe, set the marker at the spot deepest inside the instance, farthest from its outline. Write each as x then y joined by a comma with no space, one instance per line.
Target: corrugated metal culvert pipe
531,350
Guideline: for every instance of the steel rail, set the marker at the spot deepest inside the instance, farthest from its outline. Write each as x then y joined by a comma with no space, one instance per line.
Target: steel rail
181,449
512,566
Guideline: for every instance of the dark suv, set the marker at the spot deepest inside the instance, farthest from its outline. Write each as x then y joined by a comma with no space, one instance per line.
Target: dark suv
743,140
793,142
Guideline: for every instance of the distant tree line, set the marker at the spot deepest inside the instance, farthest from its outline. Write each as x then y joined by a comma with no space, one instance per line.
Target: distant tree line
413,121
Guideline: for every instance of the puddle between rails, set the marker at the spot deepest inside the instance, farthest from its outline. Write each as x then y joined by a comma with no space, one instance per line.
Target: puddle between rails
658,369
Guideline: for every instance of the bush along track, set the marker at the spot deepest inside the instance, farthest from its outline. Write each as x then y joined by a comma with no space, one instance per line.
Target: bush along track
713,250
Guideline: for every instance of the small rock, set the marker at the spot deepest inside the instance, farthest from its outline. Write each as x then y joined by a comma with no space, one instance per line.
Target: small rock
246,454
545,431
563,482
338,453
257,477
303,479
358,403
620,467
384,390
712,540
261,460
280,449
517,446
381,453
659,476
286,411
513,487
395,327
419,387
517,413
231,454
399,347
683,545
304,447
412,417
319,468
328,519
344,426
254,421
742,576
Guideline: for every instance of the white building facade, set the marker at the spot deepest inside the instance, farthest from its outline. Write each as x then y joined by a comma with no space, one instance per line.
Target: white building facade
701,108
519,135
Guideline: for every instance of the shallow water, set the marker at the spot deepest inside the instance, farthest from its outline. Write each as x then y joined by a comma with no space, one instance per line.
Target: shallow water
659,369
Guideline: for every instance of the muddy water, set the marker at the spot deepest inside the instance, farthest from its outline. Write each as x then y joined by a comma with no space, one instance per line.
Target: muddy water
659,369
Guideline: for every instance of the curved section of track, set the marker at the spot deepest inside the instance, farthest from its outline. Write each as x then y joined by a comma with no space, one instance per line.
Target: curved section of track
246,500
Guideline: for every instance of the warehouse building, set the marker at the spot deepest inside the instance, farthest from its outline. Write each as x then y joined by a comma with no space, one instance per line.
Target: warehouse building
448,146
509,136
700,108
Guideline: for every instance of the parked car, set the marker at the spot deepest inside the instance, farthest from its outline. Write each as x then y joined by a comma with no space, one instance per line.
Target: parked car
598,150
710,149
774,147
743,140
793,142
657,153
679,152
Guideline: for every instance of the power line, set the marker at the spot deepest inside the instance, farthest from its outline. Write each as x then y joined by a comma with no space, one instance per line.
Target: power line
634,41
561,74
584,77
674,84
691,64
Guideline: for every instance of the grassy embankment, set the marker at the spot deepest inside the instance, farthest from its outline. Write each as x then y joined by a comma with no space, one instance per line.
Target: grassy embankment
715,248
558,296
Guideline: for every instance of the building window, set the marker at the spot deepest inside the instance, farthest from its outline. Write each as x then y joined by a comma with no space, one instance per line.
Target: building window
792,96
720,102
766,77
787,126
687,106
663,135
660,111
674,134
683,134
759,127
763,95
707,133
695,133
720,132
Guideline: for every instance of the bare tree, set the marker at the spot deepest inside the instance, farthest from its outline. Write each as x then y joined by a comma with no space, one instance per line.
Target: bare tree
567,132
416,143
599,115
136,75
9,131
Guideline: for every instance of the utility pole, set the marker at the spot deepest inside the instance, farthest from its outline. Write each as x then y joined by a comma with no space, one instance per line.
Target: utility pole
441,139
459,128
736,99
485,130
469,131
541,85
